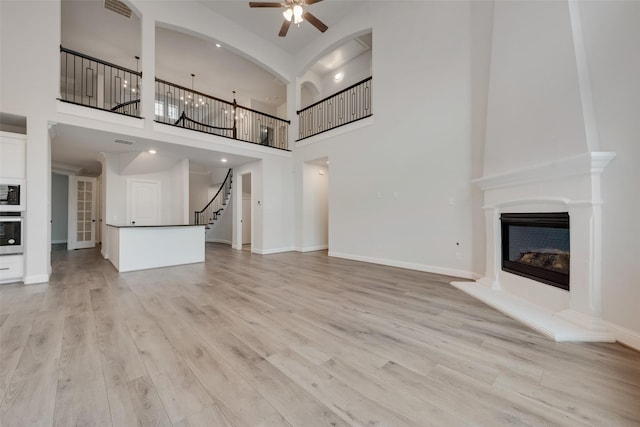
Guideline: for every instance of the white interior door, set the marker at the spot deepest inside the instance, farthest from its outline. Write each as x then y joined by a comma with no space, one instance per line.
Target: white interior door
144,202
246,220
82,213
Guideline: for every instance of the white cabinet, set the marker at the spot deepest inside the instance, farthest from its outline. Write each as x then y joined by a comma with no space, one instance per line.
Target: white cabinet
11,268
12,155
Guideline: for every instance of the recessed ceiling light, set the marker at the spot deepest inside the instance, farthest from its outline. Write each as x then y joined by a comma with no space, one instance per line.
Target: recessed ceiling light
152,151
339,75
223,160
218,45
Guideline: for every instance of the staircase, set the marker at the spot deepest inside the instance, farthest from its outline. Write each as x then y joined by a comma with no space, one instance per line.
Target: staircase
216,206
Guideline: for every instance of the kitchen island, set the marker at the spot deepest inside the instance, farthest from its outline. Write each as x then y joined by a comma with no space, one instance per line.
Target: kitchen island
140,247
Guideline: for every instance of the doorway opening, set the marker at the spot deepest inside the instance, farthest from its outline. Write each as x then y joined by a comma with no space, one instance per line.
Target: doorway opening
315,205
246,213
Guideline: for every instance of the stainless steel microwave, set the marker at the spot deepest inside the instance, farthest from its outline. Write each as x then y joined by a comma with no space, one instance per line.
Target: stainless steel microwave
10,194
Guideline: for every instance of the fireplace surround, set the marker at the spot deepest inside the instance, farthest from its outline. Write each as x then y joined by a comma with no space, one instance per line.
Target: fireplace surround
569,185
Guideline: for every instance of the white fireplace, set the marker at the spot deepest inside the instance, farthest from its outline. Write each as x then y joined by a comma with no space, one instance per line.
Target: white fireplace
565,185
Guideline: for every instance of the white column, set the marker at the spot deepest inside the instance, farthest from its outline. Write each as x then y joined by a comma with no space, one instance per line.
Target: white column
148,59
37,231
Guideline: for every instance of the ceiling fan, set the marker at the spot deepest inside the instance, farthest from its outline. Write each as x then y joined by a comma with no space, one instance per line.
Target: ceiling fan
293,11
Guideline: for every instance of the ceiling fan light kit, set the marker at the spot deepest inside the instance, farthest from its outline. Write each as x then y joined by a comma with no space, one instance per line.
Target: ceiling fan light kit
295,12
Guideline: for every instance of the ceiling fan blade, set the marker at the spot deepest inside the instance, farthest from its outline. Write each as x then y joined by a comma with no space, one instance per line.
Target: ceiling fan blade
284,28
264,4
311,1
315,22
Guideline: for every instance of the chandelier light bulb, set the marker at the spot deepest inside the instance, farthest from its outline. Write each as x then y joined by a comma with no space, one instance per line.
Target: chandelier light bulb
288,14
297,11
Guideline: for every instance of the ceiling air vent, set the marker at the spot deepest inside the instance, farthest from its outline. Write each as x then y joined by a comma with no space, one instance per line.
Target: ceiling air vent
118,7
123,141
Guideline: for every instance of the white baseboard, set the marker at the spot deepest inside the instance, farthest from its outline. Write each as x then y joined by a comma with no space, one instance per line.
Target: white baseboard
272,251
227,242
625,336
313,248
36,278
409,265
57,242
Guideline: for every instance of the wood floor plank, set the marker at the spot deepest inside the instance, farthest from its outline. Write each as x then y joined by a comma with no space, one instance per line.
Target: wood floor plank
81,397
422,412
121,361
350,405
231,393
291,401
31,393
290,339
147,409
181,393
210,416
14,334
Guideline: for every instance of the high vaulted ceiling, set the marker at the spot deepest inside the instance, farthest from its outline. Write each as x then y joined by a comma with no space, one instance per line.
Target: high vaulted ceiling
266,22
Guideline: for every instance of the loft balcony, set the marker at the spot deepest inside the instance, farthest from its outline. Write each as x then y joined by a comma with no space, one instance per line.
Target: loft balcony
189,109
93,83
346,106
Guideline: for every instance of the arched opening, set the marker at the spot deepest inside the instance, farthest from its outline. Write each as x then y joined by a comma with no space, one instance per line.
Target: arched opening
309,93
346,63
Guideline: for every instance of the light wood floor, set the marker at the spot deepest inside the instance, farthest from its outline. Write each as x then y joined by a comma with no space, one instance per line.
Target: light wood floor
288,339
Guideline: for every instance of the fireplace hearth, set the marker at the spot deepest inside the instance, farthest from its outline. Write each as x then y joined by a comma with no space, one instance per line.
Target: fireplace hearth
536,246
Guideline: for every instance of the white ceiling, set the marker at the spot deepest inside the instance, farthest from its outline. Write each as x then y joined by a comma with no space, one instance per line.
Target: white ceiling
218,71
76,150
266,22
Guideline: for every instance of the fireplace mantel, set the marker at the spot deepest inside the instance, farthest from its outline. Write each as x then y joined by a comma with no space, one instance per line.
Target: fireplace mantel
563,185
583,164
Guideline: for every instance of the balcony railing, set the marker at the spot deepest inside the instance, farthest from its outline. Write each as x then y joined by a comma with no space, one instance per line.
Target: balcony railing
347,106
94,83
189,109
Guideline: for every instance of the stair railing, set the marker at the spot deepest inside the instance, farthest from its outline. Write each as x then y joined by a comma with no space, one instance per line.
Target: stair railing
217,204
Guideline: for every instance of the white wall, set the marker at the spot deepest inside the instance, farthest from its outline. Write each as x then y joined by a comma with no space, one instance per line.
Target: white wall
612,35
534,111
29,43
392,181
359,68
174,184
59,207
198,192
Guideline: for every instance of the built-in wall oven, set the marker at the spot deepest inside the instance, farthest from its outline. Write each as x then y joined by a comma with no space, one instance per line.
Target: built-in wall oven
11,224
